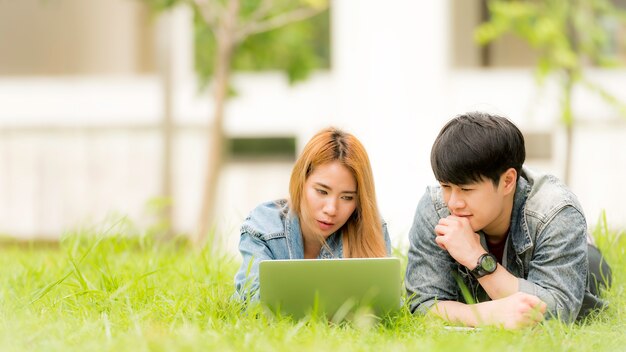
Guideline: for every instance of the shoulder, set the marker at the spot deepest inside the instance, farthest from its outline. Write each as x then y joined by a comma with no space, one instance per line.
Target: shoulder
548,196
432,203
430,209
267,220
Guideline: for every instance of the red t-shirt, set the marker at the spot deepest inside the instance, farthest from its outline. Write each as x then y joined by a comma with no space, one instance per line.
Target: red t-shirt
497,249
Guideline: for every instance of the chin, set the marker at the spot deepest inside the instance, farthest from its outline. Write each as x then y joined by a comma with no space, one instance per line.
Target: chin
328,233
477,228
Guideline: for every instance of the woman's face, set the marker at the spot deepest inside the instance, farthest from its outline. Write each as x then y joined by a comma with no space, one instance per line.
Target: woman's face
329,199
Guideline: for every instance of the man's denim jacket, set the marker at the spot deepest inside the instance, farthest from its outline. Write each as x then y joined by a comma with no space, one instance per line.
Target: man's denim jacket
546,249
272,231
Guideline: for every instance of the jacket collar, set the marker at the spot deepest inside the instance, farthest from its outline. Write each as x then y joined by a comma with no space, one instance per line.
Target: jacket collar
295,245
518,230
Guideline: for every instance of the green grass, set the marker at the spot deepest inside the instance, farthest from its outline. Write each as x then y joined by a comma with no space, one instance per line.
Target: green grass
103,290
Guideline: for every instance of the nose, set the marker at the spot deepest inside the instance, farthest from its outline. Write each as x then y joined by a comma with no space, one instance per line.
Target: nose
330,207
455,202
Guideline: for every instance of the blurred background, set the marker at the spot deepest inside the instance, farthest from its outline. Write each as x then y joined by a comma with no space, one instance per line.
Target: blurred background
124,107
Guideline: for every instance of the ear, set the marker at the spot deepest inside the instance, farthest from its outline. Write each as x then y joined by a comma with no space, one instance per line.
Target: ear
508,180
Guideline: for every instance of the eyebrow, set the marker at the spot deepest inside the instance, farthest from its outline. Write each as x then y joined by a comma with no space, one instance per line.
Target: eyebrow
327,187
465,185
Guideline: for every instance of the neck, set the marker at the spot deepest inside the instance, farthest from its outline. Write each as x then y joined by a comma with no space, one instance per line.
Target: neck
310,241
312,247
495,239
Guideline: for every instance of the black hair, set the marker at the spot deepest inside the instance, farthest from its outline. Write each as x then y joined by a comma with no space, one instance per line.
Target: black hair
476,146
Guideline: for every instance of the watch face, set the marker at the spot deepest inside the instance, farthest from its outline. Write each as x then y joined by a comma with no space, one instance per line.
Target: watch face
489,263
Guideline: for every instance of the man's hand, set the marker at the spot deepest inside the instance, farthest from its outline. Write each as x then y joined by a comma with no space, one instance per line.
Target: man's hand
515,311
455,235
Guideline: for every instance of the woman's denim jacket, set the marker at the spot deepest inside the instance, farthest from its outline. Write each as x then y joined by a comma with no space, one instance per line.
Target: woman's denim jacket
546,249
271,231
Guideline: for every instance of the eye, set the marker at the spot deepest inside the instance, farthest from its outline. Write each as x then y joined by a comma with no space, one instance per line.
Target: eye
321,191
349,198
446,186
466,189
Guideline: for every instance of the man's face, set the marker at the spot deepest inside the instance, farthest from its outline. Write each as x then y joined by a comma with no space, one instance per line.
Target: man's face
482,203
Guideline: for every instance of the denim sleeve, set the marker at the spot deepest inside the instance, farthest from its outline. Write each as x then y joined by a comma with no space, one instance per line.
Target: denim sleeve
387,239
429,273
253,250
557,272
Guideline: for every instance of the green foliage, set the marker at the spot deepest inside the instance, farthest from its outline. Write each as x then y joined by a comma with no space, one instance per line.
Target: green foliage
113,290
297,49
567,35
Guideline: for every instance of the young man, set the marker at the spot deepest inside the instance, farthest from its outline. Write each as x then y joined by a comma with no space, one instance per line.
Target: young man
496,233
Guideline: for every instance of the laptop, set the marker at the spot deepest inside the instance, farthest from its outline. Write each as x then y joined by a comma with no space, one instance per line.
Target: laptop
335,288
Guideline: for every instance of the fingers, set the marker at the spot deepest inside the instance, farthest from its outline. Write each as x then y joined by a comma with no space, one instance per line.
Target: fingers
439,241
452,220
445,221
536,314
449,221
440,230
543,307
451,224
534,308
528,298
532,300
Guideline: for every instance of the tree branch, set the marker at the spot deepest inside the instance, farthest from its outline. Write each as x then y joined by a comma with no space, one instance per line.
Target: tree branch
211,11
262,11
276,22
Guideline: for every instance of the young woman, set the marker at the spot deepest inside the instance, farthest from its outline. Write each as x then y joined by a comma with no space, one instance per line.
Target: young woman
332,212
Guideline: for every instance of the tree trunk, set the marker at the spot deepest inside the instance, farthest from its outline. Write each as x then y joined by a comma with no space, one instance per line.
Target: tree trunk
568,121
569,140
225,38
166,128
167,133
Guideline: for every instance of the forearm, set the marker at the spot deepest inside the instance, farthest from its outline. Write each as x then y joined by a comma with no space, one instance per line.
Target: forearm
501,283
253,250
247,280
458,313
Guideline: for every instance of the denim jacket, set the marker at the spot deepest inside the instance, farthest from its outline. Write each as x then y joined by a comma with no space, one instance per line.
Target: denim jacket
272,231
546,249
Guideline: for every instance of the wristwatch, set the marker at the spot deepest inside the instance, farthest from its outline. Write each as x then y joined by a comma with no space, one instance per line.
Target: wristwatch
487,264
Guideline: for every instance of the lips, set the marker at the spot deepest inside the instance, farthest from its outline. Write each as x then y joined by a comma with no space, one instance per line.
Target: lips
324,226
463,216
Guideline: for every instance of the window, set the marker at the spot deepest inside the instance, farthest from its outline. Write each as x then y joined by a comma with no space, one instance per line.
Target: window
262,148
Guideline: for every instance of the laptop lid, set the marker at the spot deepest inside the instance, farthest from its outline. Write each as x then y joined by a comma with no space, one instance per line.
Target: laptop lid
330,286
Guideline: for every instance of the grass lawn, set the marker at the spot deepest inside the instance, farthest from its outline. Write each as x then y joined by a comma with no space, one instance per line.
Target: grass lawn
118,293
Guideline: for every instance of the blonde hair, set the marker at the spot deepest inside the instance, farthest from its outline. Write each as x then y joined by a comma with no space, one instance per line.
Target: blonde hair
362,234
